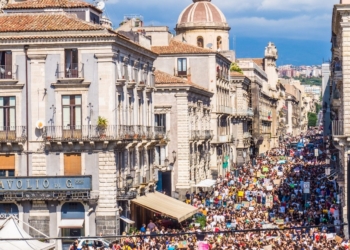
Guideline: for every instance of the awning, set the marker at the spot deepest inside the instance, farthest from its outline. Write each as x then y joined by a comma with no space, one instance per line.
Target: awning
11,230
206,183
166,205
71,223
127,220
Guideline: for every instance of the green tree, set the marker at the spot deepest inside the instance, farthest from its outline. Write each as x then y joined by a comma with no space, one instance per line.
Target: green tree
236,68
312,119
318,107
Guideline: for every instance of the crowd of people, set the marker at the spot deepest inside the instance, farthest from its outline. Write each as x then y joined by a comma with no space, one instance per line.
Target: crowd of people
282,200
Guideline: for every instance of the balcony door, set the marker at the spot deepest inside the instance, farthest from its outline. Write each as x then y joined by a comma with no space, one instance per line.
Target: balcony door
72,113
7,117
5,65
71,63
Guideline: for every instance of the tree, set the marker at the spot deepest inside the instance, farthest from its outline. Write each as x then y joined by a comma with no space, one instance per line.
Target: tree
236,68
312,119
318,107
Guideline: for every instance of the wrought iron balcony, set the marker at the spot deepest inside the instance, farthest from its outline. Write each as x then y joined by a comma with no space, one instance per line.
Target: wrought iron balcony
124,194
338,128
8,72
13,134
206,134
96,133
72,71
195,135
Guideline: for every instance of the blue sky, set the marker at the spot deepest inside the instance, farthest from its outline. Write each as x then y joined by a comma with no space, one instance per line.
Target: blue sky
300,28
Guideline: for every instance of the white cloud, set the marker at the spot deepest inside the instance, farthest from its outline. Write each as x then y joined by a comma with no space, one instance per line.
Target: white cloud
298,27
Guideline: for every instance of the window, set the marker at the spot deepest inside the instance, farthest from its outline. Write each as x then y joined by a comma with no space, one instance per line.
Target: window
182,67
71,63
72,164
160,120
5,64
7,165
218,42
7,113
200,42
71,107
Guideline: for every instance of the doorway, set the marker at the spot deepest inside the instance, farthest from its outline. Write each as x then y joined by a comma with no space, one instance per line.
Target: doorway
164,182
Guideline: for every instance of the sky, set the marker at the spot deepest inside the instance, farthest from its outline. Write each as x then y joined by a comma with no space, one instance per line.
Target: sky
301,29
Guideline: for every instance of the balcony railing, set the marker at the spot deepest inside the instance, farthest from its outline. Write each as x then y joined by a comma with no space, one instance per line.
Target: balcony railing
8,72
74,70
236,112
338,128
96,133
195,135
13,134
206,134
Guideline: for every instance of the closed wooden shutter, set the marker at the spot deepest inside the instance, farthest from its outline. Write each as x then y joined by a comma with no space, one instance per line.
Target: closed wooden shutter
7,162
8,65
72,164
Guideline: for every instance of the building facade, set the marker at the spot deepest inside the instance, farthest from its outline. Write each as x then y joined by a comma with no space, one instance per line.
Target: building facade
79,136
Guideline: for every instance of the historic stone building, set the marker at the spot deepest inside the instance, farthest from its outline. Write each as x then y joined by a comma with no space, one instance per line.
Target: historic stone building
262,73
77,123
339,108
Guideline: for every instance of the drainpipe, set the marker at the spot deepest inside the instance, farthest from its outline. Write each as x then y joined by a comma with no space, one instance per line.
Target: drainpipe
27,108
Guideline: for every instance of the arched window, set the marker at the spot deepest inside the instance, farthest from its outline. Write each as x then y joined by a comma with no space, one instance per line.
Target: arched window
218,42
200,42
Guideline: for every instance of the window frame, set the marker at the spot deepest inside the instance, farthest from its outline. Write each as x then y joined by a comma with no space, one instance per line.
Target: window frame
72,114
182,66
6,126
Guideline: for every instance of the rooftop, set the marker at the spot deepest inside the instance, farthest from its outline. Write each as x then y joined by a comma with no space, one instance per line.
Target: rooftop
176,47
41,4
164,79
44,22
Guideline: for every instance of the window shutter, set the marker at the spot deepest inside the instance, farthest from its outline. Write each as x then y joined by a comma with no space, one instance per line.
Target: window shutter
8,64
72,164
7,162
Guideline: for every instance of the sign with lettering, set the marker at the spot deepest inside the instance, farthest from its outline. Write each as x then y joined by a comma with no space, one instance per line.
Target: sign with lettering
46,183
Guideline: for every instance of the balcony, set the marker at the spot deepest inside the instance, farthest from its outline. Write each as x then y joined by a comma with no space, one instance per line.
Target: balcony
338,128
243,112
70,76
206,135
95,133
13,134
225,110
9,77
194,135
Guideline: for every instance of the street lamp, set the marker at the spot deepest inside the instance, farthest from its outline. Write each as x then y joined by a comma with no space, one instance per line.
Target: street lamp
129,180
174,155
166,162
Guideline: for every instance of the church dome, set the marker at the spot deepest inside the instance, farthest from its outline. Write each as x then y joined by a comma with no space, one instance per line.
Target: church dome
202,13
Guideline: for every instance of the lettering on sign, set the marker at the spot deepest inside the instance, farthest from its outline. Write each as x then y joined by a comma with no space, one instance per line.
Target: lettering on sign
45,183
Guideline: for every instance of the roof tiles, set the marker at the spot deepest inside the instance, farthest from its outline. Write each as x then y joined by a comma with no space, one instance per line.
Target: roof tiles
164,79
44,22
176,47
41,4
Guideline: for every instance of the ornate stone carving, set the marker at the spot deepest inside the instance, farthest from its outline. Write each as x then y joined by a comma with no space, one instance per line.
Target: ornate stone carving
2,4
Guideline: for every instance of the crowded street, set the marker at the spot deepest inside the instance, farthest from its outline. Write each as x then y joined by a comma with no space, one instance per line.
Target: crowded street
284,199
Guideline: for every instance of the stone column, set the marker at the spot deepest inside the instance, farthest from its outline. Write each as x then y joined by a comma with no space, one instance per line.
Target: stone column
106,85
182,184
107,204
36,82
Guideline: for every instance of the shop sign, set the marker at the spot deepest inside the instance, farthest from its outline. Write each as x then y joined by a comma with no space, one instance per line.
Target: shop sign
45,183
5,216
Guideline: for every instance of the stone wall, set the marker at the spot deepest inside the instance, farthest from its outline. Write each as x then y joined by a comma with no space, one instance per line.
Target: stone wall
106,225
39,164
40,223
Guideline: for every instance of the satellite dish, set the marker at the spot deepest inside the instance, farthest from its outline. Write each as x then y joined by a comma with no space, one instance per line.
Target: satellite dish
40,124
101,5
209,45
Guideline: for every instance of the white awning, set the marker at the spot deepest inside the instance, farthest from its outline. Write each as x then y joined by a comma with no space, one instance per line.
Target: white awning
166,205
11,230
206,183
127,220
71,223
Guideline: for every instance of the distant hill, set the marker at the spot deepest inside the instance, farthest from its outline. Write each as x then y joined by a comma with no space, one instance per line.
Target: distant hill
310,81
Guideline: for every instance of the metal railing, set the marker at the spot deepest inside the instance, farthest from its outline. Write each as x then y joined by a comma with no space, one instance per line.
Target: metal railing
13,134
6,72
206,134
74,70
96,133
237,112
338,128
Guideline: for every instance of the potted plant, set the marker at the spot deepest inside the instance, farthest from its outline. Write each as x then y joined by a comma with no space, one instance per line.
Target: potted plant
102,126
